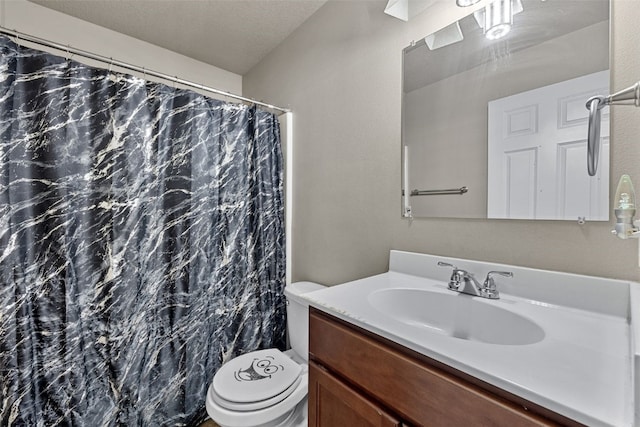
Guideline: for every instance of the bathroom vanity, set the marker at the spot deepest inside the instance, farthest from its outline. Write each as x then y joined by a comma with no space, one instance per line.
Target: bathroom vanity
400,348
359,378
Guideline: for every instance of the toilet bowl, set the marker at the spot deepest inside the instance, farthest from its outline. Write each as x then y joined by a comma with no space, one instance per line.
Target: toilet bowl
267,388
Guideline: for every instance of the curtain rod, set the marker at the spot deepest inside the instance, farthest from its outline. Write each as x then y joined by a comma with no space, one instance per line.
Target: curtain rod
71,50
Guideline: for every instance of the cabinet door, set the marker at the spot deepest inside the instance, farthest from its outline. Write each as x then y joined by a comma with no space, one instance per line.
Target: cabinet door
332,403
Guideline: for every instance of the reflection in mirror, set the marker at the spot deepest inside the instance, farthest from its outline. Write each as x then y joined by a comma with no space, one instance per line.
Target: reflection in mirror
506,118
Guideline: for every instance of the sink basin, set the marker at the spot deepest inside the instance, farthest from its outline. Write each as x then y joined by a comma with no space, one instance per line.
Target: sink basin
456,315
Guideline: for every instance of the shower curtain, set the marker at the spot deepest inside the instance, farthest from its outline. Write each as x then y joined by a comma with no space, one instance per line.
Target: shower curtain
141,243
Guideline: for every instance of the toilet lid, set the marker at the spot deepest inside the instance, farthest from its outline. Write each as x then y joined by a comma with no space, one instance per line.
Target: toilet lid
256,376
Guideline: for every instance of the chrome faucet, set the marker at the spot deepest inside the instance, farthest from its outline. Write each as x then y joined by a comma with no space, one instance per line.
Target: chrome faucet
464,282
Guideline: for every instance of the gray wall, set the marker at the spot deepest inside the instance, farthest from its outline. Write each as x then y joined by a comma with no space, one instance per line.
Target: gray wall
340,72
49,24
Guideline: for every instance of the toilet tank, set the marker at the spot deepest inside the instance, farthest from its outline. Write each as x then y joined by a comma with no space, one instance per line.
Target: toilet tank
298,316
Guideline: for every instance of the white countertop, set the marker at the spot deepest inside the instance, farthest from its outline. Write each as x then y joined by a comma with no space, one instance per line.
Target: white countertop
581,369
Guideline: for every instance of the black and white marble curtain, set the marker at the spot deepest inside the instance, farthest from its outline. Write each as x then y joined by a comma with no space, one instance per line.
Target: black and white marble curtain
141,243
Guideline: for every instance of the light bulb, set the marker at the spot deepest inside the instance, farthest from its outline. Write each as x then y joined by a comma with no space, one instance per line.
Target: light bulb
498,17
625,209
625,195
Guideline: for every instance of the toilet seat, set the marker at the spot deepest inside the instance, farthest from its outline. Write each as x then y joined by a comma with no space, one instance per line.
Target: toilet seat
253,406
243,409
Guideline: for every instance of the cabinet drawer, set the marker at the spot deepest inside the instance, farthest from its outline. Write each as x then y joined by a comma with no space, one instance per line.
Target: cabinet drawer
419,392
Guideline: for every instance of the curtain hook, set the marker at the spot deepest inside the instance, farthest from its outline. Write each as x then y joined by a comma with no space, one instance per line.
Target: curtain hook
110,63
144,73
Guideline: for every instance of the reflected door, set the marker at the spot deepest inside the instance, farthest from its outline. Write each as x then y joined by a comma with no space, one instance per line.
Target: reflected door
537,167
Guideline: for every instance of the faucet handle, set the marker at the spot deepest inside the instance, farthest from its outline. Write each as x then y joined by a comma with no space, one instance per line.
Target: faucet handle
454,281
489,286
501,273
446,264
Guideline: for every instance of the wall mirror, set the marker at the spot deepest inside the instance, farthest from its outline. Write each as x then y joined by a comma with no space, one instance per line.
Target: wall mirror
497,127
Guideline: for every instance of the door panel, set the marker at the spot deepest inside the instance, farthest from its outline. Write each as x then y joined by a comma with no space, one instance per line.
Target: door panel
551,121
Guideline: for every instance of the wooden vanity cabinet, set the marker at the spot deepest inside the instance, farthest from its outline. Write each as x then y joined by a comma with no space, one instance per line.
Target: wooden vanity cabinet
358,379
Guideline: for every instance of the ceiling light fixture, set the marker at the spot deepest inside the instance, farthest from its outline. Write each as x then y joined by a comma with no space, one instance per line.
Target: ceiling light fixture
466,3
444,37
407,9
496,19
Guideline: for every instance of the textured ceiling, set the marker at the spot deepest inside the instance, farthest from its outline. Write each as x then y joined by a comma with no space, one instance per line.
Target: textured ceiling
230,34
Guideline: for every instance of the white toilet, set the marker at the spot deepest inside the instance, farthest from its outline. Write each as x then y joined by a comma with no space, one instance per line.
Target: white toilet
267,388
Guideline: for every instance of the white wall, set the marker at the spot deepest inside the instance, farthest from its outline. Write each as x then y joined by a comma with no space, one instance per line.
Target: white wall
340,72
45,23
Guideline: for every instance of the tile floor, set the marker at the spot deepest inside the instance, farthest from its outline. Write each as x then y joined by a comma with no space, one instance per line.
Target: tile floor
208,423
